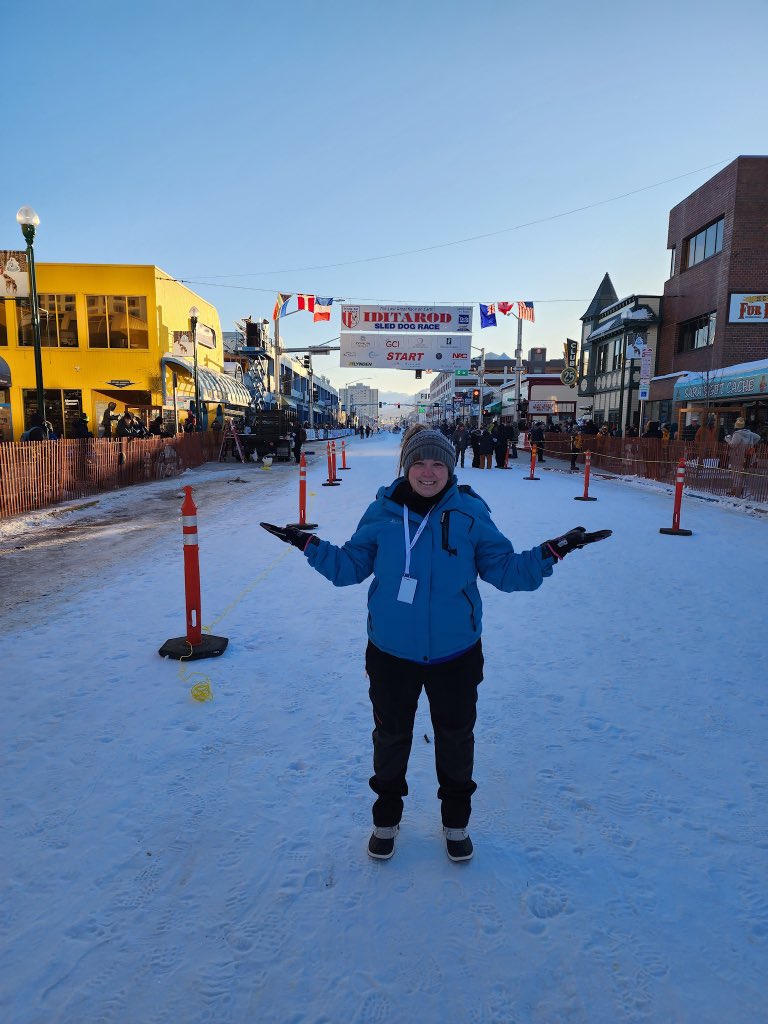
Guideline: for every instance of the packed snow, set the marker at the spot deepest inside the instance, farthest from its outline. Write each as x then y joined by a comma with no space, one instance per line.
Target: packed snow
166,859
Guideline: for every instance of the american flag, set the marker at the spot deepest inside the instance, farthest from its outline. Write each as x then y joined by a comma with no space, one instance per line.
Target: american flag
525,311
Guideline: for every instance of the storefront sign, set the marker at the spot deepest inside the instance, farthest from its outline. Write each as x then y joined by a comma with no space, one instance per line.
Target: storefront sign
542,406
748,309
721,384
14,276
411,319
183,344
405,351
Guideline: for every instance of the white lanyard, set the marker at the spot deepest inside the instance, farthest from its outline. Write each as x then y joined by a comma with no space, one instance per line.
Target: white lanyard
411,544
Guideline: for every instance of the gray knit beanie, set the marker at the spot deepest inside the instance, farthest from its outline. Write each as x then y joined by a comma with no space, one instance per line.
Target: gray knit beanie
428,444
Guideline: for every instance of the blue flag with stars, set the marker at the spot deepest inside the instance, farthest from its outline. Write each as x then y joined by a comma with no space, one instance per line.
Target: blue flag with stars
488,315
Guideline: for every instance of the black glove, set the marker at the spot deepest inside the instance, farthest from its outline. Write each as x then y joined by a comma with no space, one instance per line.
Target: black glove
575,538
291,535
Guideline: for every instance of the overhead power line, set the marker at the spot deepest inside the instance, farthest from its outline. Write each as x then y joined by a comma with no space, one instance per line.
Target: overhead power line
469,238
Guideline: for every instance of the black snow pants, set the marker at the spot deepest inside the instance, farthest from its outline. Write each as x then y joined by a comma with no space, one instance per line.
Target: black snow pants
451,686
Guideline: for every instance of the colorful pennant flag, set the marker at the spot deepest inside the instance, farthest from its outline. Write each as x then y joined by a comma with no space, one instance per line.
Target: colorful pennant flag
322,307
487,315
306,302
504,307
280,305
525,311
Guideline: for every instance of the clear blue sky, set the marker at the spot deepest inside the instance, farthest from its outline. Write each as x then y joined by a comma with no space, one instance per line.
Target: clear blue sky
236,143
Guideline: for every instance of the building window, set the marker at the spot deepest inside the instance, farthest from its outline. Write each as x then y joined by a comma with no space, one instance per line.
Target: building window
618,350
696,333
3,324
58,321
602,359
704,243
117,321
672,261
61,408
585,353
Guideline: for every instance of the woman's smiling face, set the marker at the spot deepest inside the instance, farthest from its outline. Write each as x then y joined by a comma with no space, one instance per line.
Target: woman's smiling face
428,477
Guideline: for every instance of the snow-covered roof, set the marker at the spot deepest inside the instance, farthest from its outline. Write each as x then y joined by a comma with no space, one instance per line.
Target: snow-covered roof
616,321
610,325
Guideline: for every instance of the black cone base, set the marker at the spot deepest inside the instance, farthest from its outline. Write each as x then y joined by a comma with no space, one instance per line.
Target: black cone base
671,532
331,483
303,526
180,648
531,478
582,498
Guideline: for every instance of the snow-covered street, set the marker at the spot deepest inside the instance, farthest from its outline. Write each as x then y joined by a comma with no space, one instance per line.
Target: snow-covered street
168,860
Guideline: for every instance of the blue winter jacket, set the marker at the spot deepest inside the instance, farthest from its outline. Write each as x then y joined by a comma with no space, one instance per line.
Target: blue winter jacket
460,542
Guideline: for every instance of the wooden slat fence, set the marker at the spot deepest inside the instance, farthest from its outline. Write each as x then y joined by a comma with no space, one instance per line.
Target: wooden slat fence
37,474
714,469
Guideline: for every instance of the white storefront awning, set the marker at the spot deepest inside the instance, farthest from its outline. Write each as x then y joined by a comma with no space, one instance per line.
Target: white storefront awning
216,388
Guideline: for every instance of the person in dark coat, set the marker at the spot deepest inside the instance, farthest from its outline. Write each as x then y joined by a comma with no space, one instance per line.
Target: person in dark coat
500,445
460,442
37,430
125,426
425,621
80,427
514,436
474,441
486,449
299,437
537,438
108,419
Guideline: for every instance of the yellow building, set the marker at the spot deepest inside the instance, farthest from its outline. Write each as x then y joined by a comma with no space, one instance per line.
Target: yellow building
111,333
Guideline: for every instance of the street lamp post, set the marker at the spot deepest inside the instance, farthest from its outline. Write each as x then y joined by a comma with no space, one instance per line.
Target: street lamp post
194,313
29,220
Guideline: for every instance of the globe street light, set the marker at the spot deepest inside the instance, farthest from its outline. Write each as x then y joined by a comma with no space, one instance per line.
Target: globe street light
194,313
29,220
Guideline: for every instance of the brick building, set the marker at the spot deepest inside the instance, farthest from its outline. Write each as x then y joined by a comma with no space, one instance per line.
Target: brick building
712,356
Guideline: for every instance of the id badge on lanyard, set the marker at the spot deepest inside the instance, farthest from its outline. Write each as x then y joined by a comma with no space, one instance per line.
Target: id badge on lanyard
408,583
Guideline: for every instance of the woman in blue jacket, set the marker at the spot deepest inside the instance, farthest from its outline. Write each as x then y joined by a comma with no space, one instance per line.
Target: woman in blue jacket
426,540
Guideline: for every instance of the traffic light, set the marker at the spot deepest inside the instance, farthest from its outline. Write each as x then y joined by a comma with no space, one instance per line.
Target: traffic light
398,405
522,406
381,405
314,392
307,361
418,375
285,385
475,394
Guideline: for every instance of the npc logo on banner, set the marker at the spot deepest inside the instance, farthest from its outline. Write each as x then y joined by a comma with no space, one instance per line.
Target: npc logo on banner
350,317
